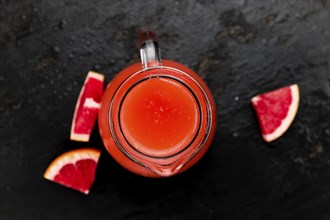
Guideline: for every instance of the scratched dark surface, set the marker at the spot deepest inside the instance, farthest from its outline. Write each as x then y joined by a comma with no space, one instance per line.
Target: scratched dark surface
241,48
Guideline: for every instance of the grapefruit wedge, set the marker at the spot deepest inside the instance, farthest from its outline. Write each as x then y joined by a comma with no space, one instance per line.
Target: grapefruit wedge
87,107
276,111
74,169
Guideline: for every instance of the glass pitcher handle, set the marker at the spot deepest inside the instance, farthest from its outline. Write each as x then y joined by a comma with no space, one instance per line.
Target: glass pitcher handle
149,48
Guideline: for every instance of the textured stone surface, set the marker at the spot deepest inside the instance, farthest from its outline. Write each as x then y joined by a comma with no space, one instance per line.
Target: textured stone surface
241,48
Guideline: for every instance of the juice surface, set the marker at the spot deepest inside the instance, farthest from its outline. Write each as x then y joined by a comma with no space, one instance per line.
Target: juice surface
159,116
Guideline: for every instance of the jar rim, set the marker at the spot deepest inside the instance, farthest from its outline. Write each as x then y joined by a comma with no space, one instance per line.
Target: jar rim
196,143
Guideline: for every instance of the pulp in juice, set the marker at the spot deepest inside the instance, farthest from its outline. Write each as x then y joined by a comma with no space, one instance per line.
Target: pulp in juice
159,116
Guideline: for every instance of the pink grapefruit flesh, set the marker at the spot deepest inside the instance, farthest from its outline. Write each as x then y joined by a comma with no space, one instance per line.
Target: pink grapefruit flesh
87,107
74,169
276,111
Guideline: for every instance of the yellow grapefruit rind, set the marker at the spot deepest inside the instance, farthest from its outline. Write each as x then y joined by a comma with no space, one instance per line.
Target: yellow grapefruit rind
73,135
289,118
71,157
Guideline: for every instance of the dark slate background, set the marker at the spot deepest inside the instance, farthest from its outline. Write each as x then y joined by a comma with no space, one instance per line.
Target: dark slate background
241,48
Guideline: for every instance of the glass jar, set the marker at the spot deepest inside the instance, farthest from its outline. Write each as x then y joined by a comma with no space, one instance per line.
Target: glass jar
157,117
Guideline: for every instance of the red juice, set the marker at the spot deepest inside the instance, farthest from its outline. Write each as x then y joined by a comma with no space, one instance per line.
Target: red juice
159,116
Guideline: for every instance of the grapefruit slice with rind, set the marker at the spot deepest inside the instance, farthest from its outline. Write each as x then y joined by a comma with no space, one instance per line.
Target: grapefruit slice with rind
74,169
87,107
276,110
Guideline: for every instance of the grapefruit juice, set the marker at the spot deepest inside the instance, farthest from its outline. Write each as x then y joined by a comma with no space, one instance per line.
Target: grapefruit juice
159,116
159,121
